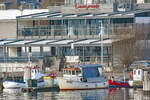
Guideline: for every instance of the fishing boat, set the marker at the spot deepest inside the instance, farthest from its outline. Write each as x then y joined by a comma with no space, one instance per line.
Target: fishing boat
137,78
35,74
81,77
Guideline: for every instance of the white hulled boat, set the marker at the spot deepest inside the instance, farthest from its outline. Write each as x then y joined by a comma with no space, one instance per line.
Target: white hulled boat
81,77
35,74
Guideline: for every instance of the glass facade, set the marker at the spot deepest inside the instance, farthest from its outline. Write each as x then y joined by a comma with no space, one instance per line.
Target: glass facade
86,53
75,27
90,2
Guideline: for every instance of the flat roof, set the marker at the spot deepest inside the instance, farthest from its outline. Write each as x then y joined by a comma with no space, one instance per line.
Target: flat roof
4,41
18,43
43,42
59,15
85,42
61,42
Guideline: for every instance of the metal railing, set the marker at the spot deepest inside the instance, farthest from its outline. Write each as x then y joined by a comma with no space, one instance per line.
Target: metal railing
19,59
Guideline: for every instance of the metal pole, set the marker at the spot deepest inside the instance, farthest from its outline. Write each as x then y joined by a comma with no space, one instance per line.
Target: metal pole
83,55
101,48
101,35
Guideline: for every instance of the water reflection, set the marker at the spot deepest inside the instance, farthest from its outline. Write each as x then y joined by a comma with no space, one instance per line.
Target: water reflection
30,96
140,95
84,95
11,94
118,94
102,94
11,91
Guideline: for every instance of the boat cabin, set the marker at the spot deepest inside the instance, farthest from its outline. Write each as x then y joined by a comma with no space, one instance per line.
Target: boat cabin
35,73
83,73
138,74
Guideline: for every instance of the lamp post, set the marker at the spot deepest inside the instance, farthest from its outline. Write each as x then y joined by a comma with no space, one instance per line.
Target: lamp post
101,37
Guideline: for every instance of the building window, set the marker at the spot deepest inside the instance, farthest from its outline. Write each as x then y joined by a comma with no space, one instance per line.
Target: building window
30,49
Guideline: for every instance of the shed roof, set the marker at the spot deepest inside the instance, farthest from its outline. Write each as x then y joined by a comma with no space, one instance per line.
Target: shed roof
57,42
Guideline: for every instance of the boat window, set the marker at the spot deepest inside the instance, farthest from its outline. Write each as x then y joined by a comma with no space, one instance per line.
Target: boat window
73,72
78,72
134,72
69,72
64,71
35,71
139,72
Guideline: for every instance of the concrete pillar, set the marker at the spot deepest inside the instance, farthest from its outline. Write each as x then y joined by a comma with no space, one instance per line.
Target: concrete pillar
146,83
12,51
140,1
41,51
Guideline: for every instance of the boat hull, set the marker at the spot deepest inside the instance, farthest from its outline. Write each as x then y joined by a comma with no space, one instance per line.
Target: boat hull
118,84
77,85
18,84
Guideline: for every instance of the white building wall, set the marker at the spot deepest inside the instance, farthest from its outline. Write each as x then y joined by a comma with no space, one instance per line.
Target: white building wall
141,20
7,29
35,49
46,49
12,51
88,2
140,1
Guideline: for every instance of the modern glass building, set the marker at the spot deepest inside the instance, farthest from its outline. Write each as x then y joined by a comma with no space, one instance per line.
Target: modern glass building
54,33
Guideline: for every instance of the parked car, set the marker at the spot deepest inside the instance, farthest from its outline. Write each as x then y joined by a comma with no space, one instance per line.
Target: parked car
142,63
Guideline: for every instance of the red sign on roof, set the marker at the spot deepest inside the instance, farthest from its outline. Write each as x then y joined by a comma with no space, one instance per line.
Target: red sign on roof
86,6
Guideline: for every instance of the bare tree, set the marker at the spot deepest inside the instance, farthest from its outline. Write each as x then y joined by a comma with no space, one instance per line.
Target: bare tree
128,47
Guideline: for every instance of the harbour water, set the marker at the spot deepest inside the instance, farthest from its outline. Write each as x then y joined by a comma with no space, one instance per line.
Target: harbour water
101,94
